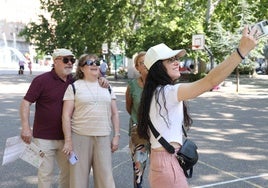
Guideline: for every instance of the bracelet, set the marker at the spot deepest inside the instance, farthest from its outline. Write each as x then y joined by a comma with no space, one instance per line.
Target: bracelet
117,134
242,57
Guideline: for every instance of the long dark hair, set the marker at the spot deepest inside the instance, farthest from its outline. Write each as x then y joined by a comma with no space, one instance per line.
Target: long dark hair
157,76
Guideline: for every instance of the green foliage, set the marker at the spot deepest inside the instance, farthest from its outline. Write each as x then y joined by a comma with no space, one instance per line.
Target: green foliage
40,35
265,54
83,25
246,68
265,51
173,26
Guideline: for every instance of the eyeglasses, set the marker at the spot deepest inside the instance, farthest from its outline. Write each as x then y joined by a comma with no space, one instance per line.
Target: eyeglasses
91,62
66,60
172,59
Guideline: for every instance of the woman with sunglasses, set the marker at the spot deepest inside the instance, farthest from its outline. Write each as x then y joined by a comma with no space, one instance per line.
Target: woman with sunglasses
89,113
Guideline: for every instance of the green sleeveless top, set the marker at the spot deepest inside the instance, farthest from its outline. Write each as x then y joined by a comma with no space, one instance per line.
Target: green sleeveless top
135,92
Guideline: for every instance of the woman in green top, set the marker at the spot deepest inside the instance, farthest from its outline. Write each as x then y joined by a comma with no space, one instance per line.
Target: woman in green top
139,147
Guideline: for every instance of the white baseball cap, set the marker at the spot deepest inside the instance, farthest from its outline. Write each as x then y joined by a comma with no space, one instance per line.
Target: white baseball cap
160,52
61,52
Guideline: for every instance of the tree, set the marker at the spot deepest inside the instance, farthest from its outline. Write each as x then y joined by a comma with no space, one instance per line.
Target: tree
135,25
265,54
173,26
79,25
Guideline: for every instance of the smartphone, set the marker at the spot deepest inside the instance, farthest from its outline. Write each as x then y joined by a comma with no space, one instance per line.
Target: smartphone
262,28
73,158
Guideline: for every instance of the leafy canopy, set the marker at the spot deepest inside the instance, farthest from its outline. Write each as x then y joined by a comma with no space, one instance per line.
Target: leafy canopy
135,25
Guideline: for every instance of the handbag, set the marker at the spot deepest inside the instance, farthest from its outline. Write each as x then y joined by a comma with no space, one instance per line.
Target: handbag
187,155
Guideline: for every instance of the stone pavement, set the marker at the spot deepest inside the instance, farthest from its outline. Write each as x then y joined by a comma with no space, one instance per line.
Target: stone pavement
247,85
230,129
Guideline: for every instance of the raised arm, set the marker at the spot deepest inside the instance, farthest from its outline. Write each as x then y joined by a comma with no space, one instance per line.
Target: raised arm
219,73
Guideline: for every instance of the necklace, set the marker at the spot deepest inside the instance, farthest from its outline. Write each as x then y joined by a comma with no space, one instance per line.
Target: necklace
93,94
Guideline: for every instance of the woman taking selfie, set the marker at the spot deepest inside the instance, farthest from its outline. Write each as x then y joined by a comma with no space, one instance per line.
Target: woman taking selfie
163,99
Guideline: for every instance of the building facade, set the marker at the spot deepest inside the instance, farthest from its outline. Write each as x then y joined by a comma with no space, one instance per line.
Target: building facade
14,16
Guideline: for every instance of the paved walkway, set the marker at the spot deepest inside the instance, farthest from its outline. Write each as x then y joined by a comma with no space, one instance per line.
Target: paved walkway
247,85
230,129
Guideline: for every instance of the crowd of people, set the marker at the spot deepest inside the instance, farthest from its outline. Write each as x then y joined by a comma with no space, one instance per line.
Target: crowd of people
78,116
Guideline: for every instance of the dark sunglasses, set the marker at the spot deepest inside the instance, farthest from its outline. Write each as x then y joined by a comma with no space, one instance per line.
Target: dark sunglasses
66,60
90,63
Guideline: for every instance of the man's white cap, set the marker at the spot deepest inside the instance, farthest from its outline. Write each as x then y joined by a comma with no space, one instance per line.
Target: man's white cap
160,52
61,52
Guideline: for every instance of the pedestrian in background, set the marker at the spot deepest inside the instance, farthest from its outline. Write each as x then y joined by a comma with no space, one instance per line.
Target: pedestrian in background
21,66
139,147
103,67
29,62
89,113
162,104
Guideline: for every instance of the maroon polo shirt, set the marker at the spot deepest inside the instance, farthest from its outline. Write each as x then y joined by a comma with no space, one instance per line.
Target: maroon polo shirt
46,91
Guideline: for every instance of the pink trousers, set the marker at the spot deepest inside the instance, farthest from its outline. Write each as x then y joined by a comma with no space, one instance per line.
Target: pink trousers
165,171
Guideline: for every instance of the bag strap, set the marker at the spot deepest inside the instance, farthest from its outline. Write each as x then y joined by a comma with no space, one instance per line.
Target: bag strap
162,140
110,89
184,131
73,88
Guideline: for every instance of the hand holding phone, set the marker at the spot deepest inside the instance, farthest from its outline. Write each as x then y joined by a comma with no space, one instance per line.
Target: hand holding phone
73,158
261,29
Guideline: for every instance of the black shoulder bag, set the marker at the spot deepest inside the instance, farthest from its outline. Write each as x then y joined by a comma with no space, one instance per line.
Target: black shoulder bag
187,155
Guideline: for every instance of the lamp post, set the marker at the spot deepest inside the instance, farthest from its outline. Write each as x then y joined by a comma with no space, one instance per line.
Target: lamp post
115,52
211,57
115,66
